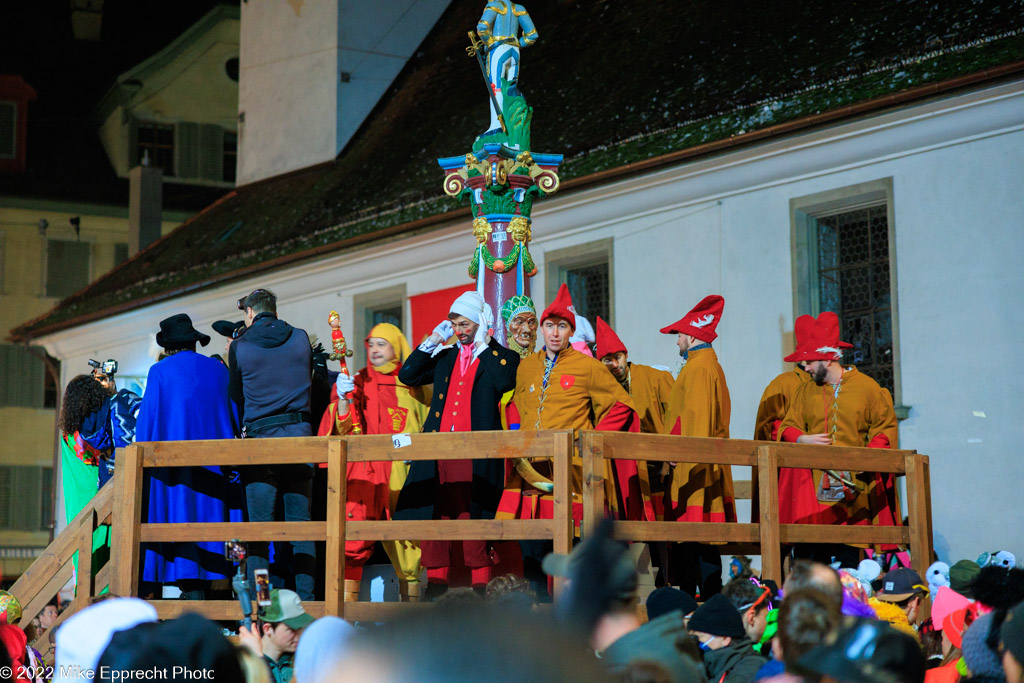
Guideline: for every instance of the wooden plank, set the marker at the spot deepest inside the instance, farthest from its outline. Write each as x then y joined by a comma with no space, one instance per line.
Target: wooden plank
449,530
235,452
703,532
743,489
334,574
666,448
917,513
102,579
562,512
834,457
850,535
768,509
926,465
592,453
383,611
84,583
184,532
127,516
30,608
217,610
454,446
58,552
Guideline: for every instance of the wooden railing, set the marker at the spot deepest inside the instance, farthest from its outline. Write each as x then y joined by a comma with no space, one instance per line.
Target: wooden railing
336,452
54,568
765,537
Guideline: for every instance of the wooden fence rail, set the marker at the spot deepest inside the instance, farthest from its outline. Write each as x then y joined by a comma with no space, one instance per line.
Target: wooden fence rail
766,537
766,459
54,568
336,452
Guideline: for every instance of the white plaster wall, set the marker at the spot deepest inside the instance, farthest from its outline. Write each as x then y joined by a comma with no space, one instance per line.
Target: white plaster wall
297,110
722,225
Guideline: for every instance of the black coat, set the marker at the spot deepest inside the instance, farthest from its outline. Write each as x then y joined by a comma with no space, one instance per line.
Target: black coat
495,375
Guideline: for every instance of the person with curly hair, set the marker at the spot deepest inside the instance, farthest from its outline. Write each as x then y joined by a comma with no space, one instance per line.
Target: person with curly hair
102,417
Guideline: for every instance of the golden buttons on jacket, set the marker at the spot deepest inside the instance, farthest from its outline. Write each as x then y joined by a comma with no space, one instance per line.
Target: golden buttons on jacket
494,352
504,362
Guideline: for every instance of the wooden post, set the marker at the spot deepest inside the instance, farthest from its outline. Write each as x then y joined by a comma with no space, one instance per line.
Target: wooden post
125,523
592,452
84,589
562,515
927,473
917,510
334,597
767,483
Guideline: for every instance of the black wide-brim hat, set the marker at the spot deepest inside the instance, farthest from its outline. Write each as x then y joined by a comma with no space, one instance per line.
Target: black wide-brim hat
226,328
177,332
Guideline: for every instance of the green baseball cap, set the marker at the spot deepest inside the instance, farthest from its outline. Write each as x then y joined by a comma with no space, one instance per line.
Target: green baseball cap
285,608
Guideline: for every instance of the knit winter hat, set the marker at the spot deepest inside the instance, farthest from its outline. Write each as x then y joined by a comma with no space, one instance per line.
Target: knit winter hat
668,599
961,575
718,617
979,657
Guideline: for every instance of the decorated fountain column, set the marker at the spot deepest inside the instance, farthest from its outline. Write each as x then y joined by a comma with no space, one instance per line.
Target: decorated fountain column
500,176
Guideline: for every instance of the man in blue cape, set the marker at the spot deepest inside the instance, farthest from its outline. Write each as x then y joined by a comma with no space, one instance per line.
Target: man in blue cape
186,398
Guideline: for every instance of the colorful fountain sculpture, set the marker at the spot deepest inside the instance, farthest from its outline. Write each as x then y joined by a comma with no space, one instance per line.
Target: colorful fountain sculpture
501,176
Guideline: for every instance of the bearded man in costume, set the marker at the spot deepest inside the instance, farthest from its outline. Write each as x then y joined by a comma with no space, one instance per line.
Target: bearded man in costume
778,395
380,403
699,406
560,388
846,408
186,398
469,380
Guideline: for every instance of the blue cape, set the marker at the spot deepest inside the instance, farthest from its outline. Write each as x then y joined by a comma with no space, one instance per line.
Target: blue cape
186,399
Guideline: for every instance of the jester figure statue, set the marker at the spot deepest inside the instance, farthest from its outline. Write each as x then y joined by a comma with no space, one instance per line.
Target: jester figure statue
504,28
520,318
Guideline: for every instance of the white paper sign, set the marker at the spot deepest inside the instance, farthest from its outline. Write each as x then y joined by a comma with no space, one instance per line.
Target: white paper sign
401,440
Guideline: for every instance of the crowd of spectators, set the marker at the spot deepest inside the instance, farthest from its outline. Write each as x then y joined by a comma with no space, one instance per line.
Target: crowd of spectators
822,625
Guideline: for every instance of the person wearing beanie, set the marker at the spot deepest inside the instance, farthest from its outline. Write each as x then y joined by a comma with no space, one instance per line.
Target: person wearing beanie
560,388
668,599
729,655
1012,639
961,577
378,402
698,405
469,379
842,407
981,651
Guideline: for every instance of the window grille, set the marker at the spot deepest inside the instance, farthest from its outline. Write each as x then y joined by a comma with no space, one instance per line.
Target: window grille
854,282
588,286
156,140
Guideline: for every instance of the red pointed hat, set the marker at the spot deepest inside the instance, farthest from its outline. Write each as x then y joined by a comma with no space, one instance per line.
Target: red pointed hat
607,341
702,321
559,308
817,339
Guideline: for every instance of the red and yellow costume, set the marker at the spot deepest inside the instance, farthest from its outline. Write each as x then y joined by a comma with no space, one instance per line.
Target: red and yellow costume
579,394
699,406
382,405
855,412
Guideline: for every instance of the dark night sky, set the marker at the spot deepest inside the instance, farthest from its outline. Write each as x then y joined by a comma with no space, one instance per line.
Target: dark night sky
65,159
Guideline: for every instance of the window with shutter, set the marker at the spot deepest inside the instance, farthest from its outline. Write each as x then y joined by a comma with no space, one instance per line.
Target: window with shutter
157,141
23,495
586,270
22,377
186,150
67,267
211,152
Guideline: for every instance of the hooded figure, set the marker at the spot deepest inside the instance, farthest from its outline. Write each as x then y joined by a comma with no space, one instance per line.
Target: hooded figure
379,403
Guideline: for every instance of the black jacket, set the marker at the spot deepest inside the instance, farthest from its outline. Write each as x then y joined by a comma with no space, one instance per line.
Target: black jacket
495,375
734,663
271,368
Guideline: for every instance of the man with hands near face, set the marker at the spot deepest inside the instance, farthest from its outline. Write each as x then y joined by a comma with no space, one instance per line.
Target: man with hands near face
469,379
